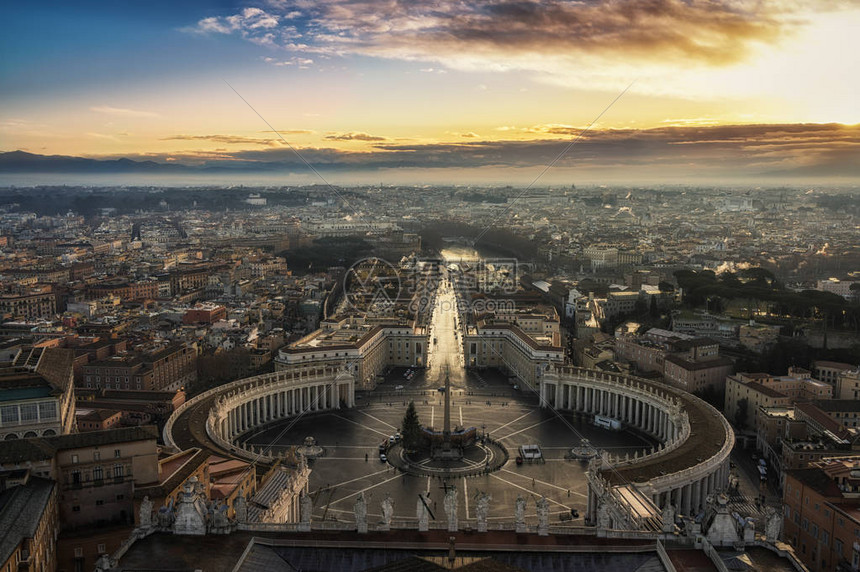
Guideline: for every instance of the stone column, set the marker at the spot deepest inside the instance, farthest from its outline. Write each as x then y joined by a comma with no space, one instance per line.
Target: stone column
688,498
697,495
591,507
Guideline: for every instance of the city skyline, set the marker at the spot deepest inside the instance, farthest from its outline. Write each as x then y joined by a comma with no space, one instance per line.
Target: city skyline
742,91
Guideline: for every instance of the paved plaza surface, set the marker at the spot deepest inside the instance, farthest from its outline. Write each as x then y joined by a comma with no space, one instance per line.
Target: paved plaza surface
351,439
487,400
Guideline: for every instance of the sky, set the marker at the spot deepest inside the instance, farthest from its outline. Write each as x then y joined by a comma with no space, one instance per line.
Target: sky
443,90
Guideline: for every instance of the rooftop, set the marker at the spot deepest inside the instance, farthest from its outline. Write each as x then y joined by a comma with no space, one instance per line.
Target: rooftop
44,448
21,509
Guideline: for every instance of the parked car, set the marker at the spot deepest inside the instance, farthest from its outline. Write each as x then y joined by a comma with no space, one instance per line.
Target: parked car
383,458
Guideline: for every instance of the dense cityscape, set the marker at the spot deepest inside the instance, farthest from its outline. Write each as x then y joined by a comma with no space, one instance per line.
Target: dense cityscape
383,286
123,307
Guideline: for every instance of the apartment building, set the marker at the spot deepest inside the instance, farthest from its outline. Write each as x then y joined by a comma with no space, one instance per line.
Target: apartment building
822,514
160,368
756,390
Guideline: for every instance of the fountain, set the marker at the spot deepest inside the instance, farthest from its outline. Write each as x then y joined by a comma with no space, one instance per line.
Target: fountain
450,452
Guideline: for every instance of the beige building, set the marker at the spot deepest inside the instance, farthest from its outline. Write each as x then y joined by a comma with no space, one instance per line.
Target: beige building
847,384
524,342
751,390
696,364
364,347
38,303
829,371
37,394
764,390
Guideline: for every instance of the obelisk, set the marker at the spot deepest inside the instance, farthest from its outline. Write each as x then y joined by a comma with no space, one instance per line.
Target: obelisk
446,429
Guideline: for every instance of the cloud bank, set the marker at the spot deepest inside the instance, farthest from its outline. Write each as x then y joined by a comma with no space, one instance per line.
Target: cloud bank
697,152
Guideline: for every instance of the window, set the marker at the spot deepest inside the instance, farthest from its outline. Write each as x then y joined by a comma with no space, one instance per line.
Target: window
76,508
76,479
98,476
9,414
825,538
29,412
101,548
47,410
805,524
99,502
96,455
837,546
75,459
120,497
79,552
116,454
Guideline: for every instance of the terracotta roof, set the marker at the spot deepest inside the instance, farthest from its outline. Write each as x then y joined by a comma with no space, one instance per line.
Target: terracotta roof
43,448
817,480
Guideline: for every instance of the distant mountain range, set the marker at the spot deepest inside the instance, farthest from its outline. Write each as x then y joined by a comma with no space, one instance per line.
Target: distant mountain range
23,162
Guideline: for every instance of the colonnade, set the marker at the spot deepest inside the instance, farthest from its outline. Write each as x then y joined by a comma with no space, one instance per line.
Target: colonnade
680,475
245,404
645,413
249,411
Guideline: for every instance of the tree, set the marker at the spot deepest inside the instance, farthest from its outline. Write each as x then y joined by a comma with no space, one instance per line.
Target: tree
411,428
654,311
741,414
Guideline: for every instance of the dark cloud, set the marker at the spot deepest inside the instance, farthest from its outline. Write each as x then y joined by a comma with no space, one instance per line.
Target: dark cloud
716,32
354,136
740,153
716,152
226,139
